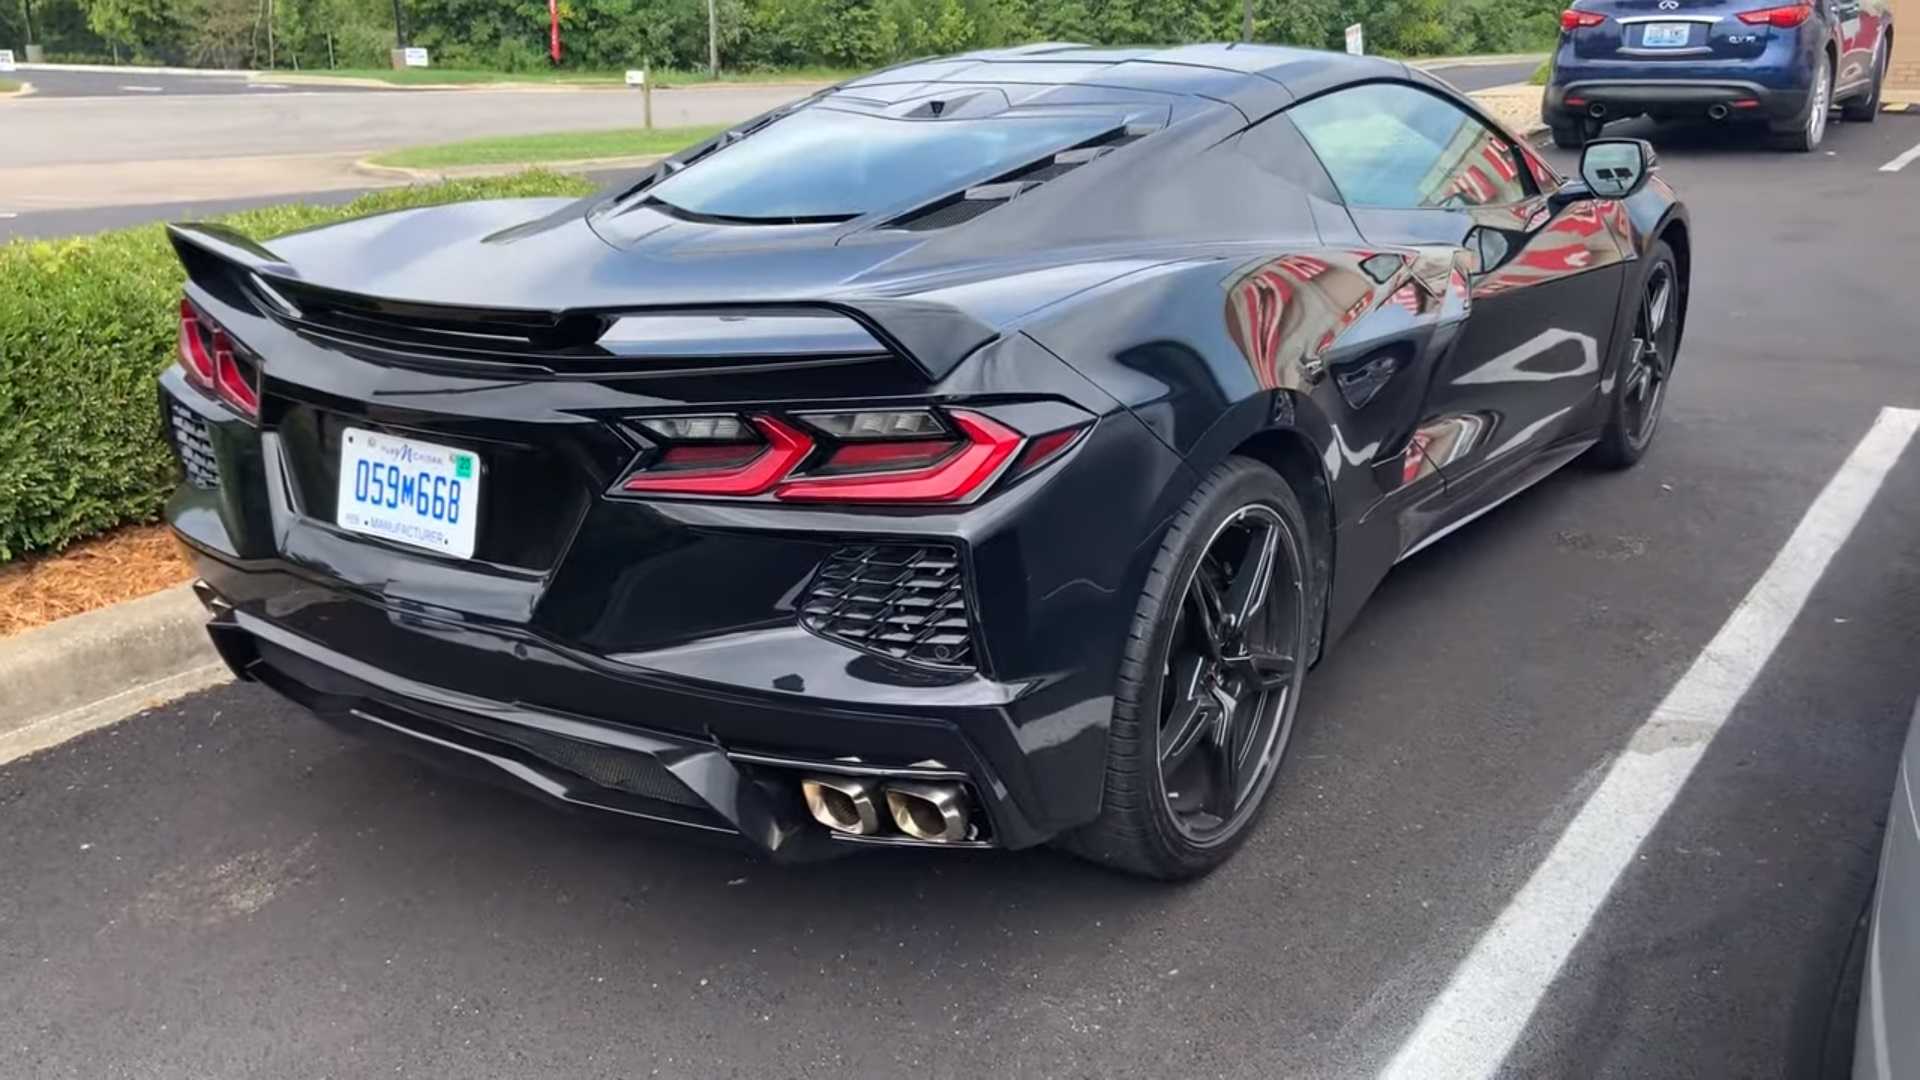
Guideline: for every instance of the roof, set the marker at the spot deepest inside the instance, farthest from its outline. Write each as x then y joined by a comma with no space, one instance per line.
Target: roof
1257,79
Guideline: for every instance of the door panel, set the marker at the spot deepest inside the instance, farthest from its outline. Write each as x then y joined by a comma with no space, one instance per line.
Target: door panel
1525,370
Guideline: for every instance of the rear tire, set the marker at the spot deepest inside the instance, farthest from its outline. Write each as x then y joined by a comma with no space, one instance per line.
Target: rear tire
1568,137
1866,109
1640,379
1812,129
1140,829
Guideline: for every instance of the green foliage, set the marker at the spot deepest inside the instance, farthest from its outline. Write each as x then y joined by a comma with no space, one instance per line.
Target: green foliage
610,35
86,324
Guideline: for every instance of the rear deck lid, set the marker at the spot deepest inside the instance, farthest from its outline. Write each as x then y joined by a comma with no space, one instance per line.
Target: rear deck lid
1671,30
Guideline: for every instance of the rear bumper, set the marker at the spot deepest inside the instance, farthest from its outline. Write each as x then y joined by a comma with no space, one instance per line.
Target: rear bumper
724,783
1623,98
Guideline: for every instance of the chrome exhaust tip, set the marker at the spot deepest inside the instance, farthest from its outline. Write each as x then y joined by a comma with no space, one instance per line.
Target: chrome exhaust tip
929,811
844,804
1717,112
1596,110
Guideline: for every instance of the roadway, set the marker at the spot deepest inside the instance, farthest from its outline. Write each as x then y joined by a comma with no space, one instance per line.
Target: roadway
94,82
226,888
47,178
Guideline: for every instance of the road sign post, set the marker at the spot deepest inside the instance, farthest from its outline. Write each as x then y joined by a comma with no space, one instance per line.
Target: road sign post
1357,39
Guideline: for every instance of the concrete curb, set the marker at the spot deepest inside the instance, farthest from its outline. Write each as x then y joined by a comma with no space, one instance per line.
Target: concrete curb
96,668
368,167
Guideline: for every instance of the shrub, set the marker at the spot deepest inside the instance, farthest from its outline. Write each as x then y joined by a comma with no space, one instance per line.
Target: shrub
86,324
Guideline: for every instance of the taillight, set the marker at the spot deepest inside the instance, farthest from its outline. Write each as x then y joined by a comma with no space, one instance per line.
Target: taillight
880,456
1785,17
215,364
1579,20
722,456
962,468
234,385
195,360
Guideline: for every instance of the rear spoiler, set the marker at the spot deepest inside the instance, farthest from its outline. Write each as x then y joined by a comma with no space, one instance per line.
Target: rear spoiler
931,336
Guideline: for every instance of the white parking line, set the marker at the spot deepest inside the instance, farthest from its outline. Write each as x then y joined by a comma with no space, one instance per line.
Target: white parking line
144,89
1902,161
1470,1028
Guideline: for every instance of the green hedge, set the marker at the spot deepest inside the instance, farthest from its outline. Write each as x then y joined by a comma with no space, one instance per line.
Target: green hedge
85,326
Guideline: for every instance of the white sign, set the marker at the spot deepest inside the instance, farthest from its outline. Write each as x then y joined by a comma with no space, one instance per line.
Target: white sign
6,59
416,57
1356,39
636,78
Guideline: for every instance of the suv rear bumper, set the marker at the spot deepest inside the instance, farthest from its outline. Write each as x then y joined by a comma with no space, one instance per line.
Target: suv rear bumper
1623,98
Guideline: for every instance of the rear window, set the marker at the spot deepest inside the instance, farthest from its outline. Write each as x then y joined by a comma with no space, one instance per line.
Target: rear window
823,163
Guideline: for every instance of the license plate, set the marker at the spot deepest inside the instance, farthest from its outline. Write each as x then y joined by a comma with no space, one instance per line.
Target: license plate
408,491
1666,35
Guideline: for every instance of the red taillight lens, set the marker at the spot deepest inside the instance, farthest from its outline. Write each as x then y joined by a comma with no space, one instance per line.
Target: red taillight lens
866,456
957,475
729,468
194,357
234,385
1786,17
1577,20
1044,448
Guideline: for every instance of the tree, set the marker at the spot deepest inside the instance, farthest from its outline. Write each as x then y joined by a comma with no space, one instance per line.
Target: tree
153,25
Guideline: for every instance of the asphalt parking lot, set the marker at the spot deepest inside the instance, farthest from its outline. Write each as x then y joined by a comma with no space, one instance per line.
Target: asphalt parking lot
226,888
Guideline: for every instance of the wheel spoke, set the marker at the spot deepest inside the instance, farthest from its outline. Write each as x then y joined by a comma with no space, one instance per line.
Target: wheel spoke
1192,716
1207,609
1659,299
1248,589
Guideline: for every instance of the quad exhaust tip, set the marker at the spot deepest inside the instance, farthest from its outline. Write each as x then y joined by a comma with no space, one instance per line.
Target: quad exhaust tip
929,811
844,804
853,805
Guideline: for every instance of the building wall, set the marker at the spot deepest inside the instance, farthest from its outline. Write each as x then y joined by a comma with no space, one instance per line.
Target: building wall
1904,72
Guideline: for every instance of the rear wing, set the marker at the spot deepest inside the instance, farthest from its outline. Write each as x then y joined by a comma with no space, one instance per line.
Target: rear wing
932,338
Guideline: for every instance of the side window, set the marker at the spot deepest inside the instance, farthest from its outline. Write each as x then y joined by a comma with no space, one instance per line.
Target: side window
1391,145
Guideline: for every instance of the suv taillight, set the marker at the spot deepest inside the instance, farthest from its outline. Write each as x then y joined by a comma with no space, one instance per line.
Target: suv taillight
877,456
1785,17
1576,20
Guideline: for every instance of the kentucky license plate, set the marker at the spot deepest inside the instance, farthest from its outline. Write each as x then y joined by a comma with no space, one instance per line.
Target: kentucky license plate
408,491
1666,35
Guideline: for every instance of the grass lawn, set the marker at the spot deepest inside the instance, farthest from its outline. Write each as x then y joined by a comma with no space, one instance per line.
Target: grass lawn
551,146
467,76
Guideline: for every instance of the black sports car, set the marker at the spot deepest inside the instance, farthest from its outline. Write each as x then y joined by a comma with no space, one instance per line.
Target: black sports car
973,454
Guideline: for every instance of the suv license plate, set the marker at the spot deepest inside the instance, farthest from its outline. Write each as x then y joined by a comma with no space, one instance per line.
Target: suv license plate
1666,35
411,492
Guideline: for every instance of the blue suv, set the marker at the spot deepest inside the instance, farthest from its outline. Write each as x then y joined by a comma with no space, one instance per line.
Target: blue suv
1784,65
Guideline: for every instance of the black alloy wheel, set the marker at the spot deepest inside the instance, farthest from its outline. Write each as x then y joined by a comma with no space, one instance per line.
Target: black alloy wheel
1211,680
1643,374
1224,708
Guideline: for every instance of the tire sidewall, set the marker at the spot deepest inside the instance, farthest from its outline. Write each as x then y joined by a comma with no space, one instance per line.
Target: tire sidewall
1248,483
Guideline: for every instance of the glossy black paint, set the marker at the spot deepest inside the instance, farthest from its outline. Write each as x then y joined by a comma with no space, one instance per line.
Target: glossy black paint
1196,293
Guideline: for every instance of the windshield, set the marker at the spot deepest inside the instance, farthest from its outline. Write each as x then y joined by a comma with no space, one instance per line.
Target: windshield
825,163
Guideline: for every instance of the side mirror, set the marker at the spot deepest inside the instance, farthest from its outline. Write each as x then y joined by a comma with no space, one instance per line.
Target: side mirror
1616,168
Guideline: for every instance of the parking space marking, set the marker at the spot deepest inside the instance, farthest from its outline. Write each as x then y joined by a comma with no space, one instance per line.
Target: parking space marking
1902,161
144,89
1470,1028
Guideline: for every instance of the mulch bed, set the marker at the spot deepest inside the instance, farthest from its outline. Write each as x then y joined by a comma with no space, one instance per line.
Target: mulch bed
122,565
